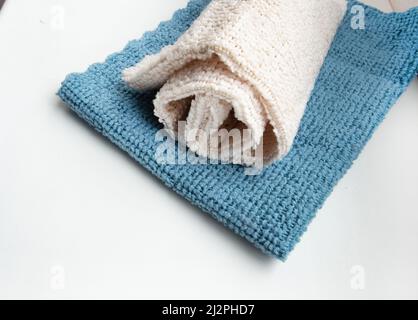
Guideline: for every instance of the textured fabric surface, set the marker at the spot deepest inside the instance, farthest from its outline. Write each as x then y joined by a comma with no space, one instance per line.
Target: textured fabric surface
243,65
363,75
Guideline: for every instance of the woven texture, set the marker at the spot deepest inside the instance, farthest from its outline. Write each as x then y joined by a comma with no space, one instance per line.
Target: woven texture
363,75
242,65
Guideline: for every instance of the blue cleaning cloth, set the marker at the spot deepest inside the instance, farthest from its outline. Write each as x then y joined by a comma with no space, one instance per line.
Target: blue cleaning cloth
365,72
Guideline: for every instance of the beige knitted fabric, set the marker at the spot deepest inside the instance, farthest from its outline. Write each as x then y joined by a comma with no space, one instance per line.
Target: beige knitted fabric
403,5
243,64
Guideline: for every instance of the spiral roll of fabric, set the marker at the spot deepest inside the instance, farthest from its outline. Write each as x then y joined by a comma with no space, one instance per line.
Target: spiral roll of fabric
243,65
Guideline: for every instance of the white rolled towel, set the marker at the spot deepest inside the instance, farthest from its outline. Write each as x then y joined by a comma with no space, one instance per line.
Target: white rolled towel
248,65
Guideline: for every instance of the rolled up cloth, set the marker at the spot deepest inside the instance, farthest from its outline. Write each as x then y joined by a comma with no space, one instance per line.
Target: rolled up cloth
245,65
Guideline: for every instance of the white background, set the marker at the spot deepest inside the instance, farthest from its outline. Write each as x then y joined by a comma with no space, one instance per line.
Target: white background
79,219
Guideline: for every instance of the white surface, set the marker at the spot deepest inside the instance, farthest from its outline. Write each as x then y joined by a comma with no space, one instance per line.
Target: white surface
79,219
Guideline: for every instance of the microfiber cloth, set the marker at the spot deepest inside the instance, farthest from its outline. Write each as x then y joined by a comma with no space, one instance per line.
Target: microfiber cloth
242,65
364,73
